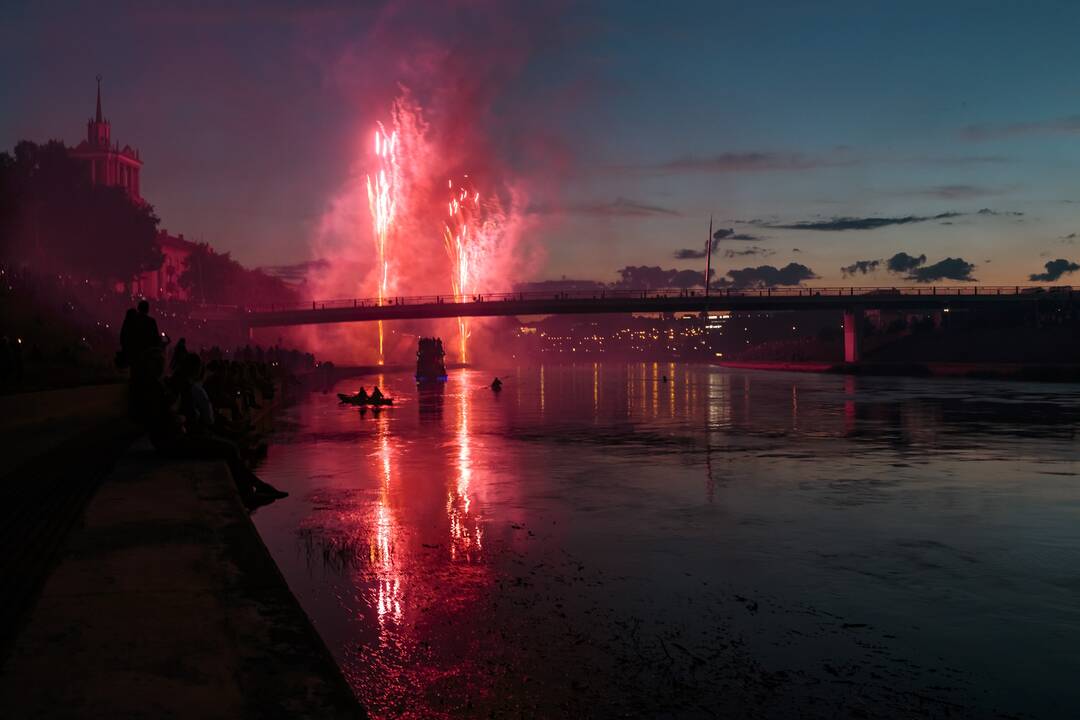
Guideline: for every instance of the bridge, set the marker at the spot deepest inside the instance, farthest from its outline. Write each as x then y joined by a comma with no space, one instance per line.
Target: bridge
851,301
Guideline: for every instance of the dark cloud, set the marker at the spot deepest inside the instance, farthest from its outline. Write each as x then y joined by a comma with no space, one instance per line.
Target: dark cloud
643,277
746,252
861,267
718,236
839,224
958,192
1064,125
901,262
1069,239
730,234
743,162
620,207
947,269
767,275
1054,270
796,250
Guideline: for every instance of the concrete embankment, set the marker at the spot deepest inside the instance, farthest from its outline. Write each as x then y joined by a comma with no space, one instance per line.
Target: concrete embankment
166,603
136,587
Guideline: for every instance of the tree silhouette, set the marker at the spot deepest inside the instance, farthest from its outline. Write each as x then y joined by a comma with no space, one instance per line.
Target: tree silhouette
218,279
52,217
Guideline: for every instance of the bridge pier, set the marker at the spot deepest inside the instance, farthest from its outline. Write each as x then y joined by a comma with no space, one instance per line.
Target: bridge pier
852,335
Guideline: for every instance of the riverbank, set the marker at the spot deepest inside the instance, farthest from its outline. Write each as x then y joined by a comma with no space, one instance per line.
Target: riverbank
166,603
1064,372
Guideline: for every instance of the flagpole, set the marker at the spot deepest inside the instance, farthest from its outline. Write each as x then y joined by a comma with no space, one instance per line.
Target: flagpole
708,258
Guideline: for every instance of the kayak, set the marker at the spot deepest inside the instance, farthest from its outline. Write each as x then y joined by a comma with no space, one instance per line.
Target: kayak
353,400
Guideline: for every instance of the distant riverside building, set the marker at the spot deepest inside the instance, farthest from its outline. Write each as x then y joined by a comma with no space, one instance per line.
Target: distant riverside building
113,166
107,163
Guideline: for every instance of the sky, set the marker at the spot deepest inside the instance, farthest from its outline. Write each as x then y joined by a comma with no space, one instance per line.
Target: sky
833,135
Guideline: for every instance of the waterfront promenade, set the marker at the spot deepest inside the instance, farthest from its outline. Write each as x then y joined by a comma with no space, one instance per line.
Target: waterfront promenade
165,603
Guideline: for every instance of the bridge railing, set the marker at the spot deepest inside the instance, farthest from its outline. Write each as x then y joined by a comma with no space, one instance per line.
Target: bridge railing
661,293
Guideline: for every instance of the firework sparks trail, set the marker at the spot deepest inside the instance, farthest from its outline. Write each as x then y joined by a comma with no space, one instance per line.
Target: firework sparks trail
406,213
467,234
382,201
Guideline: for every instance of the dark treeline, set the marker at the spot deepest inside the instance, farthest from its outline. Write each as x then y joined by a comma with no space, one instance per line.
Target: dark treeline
53,219
218,279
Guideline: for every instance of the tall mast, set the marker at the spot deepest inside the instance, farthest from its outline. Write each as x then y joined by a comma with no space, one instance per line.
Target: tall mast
708,258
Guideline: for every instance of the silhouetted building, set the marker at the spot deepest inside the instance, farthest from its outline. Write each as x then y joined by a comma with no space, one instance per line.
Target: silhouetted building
107,163
111,165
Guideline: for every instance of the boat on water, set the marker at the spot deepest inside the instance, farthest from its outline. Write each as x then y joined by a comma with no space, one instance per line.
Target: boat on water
430,366
359,399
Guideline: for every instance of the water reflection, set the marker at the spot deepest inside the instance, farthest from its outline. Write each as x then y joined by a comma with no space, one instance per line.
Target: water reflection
594,538
466,531
388,577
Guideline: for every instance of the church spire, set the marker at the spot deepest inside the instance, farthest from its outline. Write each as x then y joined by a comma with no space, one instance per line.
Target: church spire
98,117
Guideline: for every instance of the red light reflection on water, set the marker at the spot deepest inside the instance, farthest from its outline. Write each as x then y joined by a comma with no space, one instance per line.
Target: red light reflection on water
466,532
408,517
388,578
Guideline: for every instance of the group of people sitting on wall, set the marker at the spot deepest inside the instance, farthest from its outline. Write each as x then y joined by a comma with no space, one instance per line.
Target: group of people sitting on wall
200,411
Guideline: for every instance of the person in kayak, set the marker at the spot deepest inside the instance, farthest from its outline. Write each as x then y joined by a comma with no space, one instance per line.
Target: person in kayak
376,394
496,384
362,395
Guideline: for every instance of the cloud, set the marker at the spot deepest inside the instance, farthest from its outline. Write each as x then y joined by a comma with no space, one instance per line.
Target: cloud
620,207
947,269
1002,213
1064,125
839,224
1054,270
767,275
729,234
718,236
860,267
1069,239
742,162
901,262
958,192
643,277
745,252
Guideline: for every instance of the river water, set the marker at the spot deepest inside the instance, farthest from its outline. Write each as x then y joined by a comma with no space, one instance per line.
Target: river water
596,541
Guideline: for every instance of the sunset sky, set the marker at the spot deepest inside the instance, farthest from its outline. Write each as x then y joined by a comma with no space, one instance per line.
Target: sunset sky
809,129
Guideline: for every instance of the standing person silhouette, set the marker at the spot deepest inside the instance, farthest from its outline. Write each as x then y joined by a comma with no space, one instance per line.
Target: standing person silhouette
139,334
179,353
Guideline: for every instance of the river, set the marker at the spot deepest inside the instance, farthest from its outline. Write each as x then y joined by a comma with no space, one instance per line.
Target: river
667,540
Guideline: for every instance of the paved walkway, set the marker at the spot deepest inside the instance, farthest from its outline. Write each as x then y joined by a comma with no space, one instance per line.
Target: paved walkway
166,604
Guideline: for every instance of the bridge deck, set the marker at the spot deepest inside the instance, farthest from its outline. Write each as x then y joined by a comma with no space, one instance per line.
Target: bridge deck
662,301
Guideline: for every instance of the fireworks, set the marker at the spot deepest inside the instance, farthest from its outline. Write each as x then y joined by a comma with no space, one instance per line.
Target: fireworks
382,200
410,207
461,234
